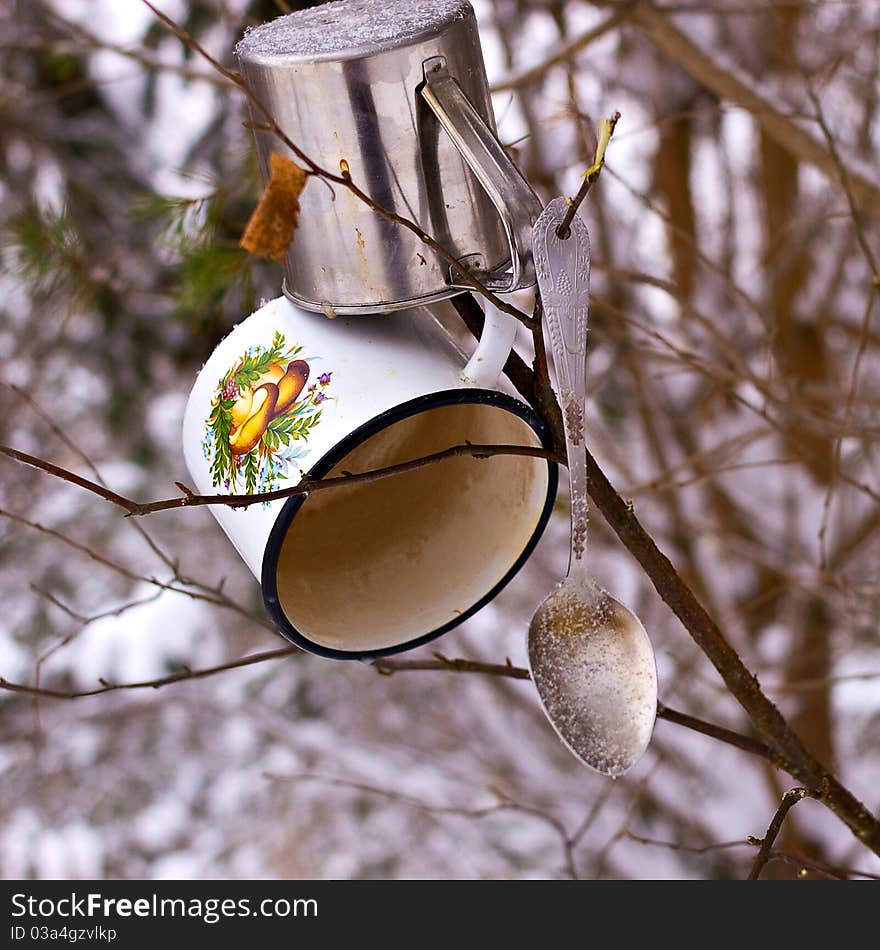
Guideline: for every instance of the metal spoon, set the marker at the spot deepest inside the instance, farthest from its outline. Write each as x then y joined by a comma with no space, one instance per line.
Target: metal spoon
590,657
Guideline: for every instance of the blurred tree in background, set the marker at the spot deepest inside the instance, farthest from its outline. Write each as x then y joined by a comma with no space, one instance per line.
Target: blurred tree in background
735,385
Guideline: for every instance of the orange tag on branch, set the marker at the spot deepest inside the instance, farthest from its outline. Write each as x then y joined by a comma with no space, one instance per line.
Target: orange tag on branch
271,226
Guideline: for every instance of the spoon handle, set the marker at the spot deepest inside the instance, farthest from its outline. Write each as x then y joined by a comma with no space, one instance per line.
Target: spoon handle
563,271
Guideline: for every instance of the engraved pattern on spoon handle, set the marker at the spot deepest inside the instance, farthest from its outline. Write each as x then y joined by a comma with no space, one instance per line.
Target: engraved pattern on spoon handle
563,271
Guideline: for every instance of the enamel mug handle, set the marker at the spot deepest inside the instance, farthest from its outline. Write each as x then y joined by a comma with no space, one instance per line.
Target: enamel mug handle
517,205
496,342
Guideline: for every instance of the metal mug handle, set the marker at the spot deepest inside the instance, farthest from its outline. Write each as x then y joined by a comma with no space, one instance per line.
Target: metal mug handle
517,205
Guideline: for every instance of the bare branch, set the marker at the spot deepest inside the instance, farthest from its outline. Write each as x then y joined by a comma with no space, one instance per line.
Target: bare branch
91,41
565,55
590,178
504,804
792,755
62,473
306,486
821,867
388,667
846,182
796,860
203,592
871,261
746,743
789,800
184,674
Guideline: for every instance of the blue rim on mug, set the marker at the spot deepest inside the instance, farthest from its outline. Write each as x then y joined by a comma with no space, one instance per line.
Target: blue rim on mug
405,410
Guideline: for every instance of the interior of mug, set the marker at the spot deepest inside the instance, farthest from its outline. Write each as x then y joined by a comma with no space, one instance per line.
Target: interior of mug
369,567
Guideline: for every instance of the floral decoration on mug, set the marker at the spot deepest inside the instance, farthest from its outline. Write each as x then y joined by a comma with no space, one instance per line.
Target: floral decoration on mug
262,411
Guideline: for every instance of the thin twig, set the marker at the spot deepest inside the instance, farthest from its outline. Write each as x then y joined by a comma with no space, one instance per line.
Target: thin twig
788,749
179,676
545,399
86,38
564,55
306,486
210,595
84,623
387,667
746,743
821,867
845,176
590,179
742,684
113,497
76,449
505,804
789,800
784,748
796,860
687,848
865,325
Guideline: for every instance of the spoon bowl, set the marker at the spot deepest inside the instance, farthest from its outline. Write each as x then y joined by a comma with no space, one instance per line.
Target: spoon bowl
590,657
593,667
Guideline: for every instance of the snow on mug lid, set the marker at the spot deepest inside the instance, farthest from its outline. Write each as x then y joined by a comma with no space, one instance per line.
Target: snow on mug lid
349,28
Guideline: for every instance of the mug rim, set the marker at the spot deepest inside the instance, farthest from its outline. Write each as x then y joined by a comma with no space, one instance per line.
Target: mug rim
367,309
325,464
385,307
459,11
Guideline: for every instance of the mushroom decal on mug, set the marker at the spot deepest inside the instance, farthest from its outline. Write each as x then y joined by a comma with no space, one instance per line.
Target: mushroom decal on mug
260,411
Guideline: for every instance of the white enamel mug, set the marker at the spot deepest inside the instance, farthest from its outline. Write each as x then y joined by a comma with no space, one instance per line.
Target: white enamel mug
367,570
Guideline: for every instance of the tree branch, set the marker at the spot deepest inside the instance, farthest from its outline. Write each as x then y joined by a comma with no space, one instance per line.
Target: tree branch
387,667
179,676
784,748
590,179
746,743
113,497
565,55
306,485
504,803
797,860
789,800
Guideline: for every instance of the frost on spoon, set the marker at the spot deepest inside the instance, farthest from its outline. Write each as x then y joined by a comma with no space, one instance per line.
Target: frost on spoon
594,670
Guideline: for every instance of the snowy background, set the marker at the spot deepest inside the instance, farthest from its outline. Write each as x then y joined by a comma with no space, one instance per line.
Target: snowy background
730,291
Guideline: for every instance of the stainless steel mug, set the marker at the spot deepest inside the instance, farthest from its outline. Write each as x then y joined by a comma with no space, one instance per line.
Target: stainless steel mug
398,91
